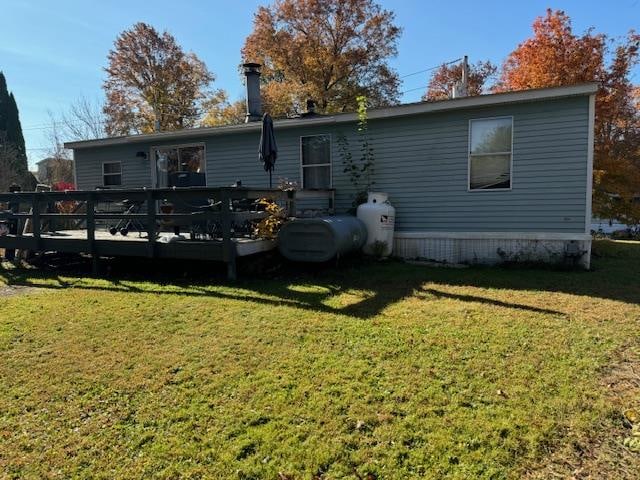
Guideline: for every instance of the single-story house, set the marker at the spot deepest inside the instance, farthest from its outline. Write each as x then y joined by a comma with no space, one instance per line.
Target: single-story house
488,178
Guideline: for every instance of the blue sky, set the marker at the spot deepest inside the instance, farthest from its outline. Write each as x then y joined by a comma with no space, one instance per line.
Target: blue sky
53,52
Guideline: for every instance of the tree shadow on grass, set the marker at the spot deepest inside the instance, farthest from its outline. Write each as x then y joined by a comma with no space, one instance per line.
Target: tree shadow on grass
372,286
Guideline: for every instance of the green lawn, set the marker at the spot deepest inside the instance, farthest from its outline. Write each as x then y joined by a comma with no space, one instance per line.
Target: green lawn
387,369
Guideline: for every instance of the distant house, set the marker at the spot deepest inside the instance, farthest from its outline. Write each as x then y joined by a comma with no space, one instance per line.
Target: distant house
52,170
489,178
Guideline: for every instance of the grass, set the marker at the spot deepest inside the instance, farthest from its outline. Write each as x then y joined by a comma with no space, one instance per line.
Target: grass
381,369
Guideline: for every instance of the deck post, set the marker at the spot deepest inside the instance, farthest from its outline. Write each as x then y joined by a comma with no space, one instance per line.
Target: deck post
91,232
151,224
35,219
228,248
14,207
291,203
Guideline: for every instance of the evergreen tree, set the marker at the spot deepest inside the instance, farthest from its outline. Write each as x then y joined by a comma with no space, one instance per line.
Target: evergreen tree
14,129
4,102
12,144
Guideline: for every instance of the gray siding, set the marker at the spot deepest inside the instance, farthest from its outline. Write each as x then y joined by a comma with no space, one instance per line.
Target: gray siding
421,161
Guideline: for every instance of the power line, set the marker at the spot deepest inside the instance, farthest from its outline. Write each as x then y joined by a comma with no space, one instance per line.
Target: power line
427,70
47,126
430,68
414,89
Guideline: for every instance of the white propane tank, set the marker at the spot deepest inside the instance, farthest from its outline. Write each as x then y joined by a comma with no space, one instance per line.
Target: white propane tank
379,217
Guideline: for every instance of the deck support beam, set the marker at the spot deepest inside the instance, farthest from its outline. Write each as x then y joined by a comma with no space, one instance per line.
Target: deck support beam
151,224
91,233
228,247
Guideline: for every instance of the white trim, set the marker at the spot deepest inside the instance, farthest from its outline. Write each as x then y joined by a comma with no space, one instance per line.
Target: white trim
496,235
590,139
119,162
388,112
152,160
469,155
330,164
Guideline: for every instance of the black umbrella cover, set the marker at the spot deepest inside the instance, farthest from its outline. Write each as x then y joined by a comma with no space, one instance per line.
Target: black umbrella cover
268,151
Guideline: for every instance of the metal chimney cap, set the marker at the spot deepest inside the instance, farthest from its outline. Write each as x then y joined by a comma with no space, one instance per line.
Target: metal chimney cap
251,67
311,105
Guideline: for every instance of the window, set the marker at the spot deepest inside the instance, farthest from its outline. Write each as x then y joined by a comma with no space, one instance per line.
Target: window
111,174
180,166
490,143
316,161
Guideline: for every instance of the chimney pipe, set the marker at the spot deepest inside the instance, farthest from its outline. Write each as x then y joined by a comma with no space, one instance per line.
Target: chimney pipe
311,105
254,104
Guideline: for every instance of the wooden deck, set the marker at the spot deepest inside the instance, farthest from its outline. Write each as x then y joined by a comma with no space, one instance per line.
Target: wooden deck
228,208
134,245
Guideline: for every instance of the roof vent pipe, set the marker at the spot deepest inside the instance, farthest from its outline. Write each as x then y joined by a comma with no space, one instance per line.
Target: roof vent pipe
254,103
311,106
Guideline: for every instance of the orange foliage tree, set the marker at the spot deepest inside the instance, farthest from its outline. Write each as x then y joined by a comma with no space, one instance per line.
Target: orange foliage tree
221,111
446,76
555,56
150,77
329,50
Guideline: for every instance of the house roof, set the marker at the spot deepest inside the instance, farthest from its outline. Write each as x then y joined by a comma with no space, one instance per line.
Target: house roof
407,109
51,159
48,159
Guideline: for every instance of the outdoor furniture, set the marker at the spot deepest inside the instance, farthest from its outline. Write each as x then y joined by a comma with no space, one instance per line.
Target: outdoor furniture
125,225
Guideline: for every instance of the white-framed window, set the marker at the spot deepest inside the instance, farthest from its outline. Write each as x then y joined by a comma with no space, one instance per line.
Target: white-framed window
179,165
112,174
315,160
490,153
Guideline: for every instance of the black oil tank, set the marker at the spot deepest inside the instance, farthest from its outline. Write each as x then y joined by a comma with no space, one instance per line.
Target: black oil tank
321,239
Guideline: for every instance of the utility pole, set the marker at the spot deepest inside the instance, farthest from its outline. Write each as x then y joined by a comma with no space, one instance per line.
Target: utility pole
461,87
465,76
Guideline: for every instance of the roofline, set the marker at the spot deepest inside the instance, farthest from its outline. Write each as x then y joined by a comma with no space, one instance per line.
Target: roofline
520,96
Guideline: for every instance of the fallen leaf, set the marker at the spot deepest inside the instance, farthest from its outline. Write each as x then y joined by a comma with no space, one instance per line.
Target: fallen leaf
632,443
632,415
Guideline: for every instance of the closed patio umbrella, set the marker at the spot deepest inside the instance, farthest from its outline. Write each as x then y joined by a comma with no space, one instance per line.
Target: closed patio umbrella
268,151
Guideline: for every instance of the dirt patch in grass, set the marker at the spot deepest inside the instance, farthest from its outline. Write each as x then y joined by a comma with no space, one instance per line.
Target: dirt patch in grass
7,291
602,453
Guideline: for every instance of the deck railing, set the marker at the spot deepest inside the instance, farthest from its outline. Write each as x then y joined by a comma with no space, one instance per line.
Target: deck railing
228,207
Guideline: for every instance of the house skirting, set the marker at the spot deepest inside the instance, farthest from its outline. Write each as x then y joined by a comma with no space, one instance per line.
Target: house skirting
494,247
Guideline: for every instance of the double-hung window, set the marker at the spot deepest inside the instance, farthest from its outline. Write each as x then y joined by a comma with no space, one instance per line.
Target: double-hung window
315,151
111,174
490,153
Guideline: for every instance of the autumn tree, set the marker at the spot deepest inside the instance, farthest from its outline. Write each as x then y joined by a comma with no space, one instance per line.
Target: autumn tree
150,78
444,78
221,111
555,56
329,50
